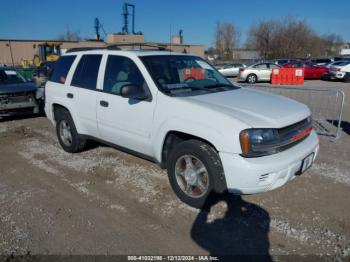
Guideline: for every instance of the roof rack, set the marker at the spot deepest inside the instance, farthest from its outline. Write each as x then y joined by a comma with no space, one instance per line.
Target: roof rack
139,45
79,49
158,47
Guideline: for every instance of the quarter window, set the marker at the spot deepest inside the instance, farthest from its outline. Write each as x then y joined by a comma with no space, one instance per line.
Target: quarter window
61,69
85,75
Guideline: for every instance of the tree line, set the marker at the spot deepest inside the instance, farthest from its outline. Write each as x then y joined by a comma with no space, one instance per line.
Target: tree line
284,38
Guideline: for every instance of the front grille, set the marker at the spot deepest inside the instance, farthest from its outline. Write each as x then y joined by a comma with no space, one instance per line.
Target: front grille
294,134
11,98
285,130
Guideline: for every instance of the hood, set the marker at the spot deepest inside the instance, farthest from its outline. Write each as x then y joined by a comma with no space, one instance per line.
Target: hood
17,88
254,108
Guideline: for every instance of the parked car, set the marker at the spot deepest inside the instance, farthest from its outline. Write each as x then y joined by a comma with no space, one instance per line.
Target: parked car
178,111
341,71
17,95
321,61
311,70
335,63
231,70
257,72
282,62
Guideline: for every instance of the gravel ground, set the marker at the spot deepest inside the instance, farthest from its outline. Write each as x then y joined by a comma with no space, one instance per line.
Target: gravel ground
103,201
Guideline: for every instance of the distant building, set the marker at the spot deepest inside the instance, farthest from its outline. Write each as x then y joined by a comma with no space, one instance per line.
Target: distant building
22,49
245,54
345,50
175,45
26,49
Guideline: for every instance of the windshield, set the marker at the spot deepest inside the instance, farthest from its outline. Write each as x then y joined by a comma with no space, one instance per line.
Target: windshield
10,76
185,75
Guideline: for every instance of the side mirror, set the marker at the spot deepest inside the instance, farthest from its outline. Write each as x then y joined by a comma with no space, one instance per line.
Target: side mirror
133,92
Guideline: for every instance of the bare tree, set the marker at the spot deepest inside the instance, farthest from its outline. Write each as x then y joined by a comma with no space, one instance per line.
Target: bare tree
226,39
290,37
69,35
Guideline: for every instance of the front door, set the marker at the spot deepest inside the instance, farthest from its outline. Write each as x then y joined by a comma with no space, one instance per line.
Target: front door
122,121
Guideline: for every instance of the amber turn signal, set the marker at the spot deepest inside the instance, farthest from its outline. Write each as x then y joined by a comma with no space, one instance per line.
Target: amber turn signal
245,144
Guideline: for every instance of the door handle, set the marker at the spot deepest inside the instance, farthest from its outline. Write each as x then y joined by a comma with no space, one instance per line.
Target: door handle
70,95
104,103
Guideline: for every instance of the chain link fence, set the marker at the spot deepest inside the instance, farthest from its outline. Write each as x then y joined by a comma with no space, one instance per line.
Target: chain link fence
326,105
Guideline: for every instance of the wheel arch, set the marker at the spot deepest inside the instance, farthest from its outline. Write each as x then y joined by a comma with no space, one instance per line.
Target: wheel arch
172,138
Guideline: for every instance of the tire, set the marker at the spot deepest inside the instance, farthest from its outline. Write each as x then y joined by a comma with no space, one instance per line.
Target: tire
69,139
347,78
181,174
252,79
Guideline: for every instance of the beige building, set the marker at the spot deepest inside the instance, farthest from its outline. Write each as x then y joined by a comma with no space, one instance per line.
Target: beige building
175,46
26,49
15,51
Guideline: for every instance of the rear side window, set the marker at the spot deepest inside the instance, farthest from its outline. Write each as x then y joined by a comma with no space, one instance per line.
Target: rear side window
85,75
261,66
61,69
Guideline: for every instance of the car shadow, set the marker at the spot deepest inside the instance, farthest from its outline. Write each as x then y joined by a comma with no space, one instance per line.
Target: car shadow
20,117
242,233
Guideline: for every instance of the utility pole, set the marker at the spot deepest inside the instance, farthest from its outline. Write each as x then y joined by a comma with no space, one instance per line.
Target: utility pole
13,64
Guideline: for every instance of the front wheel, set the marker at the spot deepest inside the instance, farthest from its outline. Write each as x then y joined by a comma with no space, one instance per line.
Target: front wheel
347,78
195,170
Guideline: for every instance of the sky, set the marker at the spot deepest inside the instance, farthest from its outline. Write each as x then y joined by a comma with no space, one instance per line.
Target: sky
158,19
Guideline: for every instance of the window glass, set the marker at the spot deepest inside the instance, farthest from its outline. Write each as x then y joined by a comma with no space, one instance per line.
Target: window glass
10,76
178,75
61,69
121,71
272,66
86,73
261,66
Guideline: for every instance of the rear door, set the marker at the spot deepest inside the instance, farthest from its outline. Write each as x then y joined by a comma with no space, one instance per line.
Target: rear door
264,72
83,92
122,121
57,87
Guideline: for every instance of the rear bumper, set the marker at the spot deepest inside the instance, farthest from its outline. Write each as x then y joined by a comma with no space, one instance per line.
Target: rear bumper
255,175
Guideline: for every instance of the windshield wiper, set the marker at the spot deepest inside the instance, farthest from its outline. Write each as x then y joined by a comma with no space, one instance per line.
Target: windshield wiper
218,85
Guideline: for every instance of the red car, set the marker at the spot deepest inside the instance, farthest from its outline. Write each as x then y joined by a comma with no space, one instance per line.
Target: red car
311,70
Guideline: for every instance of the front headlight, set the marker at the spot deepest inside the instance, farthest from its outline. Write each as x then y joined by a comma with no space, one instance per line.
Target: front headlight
259,142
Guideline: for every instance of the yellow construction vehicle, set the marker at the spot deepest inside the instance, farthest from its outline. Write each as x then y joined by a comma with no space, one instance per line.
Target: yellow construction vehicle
48,52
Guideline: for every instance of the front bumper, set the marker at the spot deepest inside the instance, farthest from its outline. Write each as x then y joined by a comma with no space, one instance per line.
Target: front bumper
255,175
8,108
338,75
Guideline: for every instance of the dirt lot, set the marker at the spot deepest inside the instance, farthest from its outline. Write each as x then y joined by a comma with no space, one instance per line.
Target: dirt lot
103,201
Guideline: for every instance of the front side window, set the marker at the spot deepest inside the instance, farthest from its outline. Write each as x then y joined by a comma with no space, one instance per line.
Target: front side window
85,75
184,75
121,71
61,69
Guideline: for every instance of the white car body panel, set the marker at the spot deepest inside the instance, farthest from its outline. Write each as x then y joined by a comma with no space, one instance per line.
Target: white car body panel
217,118
339,72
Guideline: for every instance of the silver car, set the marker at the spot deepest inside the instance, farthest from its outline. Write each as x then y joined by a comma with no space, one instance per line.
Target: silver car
231,70
257,72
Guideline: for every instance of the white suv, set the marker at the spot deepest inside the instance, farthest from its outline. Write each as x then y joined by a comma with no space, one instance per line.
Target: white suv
178,111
